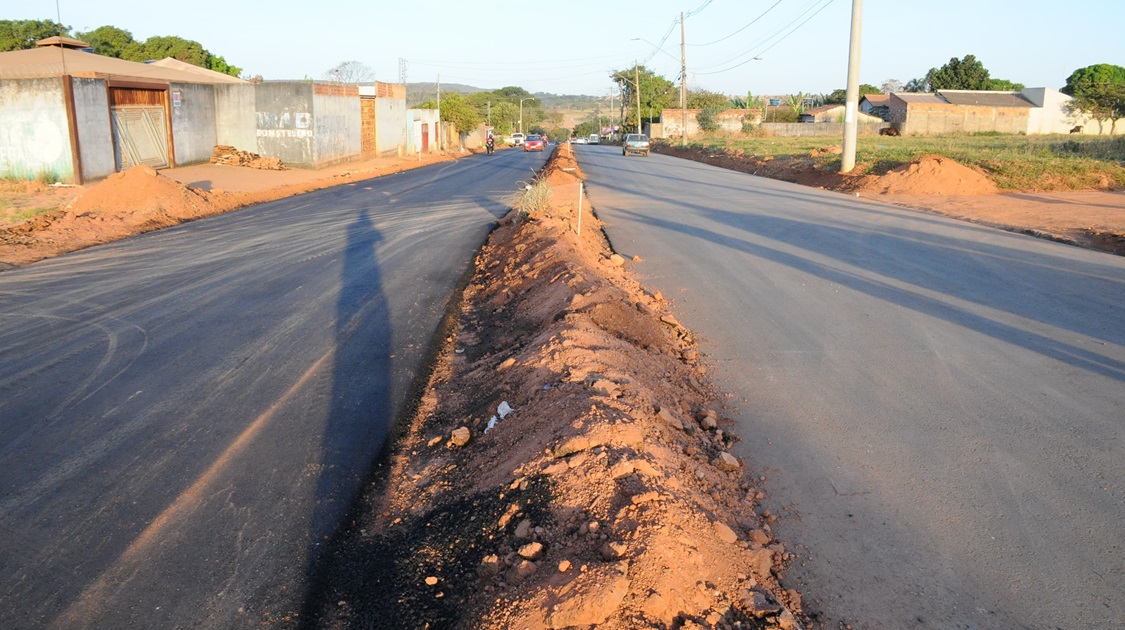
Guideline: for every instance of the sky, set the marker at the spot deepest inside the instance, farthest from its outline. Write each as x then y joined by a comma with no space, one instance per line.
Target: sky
571,47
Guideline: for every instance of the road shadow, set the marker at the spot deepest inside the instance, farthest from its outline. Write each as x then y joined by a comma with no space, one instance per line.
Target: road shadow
360,414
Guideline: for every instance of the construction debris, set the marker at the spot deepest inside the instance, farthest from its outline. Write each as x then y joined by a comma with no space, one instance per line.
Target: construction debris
224,154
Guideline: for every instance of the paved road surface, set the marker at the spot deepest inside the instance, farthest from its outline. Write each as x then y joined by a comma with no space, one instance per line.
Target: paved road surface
939,407
186,414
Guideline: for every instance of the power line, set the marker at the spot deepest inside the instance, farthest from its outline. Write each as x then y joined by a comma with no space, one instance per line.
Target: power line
741,29
754,50
698,9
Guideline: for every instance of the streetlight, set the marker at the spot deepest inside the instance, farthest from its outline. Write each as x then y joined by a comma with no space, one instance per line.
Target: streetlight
530,98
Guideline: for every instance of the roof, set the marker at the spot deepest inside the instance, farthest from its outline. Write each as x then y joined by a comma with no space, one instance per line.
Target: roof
65,42
985,98
920,97
823,108
211,75
877,99
51,61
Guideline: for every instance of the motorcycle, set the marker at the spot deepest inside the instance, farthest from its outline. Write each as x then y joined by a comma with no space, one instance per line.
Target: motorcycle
490,145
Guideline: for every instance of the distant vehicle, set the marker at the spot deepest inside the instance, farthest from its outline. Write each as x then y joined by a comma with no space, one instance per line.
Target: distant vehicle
635,143
594,138
517,139
534,142
579,141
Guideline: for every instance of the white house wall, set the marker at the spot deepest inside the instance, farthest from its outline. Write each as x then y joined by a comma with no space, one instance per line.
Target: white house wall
95,134
35,135
337,124
193,122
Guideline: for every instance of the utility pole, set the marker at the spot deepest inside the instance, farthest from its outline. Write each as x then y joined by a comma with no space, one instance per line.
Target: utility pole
683,84
847,160
637,76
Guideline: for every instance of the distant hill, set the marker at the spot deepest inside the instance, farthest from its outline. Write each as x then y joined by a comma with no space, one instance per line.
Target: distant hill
421,92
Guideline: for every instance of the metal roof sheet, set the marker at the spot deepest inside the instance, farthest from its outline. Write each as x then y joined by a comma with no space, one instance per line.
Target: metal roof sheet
52,61
984,98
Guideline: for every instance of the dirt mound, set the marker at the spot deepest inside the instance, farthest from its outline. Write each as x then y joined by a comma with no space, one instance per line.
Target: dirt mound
566,466
130,202
933,175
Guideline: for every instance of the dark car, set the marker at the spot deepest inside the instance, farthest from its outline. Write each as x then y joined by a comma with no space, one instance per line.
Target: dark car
534,142
635,143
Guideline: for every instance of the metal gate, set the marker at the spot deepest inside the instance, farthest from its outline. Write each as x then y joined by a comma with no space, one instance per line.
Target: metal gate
425,137
139,136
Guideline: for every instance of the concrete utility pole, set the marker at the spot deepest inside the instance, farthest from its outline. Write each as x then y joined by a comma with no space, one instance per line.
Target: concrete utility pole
847,161
438,113
683,84
637,76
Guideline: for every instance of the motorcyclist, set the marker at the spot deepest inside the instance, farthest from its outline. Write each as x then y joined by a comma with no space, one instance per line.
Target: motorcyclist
490,144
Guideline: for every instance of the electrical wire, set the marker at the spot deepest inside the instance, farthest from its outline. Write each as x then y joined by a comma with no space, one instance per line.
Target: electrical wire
741,29
697,10
806,14
795,29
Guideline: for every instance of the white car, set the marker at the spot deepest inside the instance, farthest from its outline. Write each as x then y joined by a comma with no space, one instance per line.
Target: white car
594,138
517,139
579,141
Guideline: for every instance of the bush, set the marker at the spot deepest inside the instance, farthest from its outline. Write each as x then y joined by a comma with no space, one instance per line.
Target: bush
708,118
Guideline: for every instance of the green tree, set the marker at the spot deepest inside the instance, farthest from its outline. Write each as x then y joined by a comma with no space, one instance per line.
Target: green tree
1004,85
917,85
796,103
959,74
839,97
657,93
22,34
457,109
110,41
704,99
219,64
504,117
1099,91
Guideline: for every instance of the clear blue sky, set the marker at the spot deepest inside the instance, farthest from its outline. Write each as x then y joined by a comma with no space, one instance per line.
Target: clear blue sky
571,46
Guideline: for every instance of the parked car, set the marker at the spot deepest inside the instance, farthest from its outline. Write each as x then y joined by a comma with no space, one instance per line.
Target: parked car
517,139
534,142
594,138
635,143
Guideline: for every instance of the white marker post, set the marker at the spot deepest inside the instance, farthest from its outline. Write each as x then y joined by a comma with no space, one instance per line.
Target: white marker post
579,208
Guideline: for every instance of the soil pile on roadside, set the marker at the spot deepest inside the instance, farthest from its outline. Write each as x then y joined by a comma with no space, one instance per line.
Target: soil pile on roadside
567,465
932,175
135,200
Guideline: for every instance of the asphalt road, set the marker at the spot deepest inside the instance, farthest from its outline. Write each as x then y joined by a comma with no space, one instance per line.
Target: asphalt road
187,414
938,407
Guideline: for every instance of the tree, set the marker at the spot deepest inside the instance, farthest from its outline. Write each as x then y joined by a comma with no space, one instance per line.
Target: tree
917,85
350,72
705,99
457,109
1099,91
796,102
839,97
959,74
892,85
505,116
22,34
1004,85
110,41
657,93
